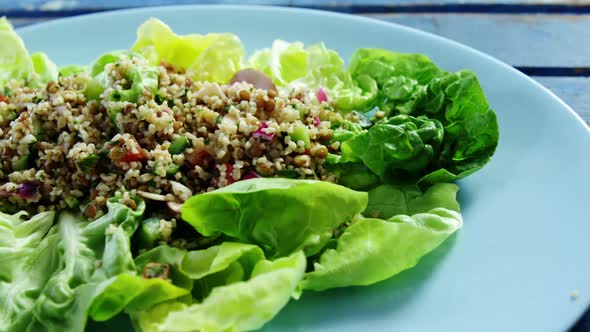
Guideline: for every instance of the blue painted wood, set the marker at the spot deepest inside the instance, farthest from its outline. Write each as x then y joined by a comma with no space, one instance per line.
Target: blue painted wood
56,5
520,40
575,91
53,5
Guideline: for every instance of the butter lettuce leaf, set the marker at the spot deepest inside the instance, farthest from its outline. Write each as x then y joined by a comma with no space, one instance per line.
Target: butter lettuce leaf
53,283
400,146
17,64
412,84
220,265
371,249
27,256
291,65
279,215
211,57
388,200
240,306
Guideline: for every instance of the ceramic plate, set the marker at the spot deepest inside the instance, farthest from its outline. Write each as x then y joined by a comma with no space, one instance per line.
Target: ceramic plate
524,245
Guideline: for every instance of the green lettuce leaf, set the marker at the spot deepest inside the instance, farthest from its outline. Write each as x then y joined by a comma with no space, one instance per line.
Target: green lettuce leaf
412,84
15,62
371,250
58,280
212,57
280,215
131,293
240,306
471,127
45,70
71,70
398,146
389,200
166,255
220,265
27,250
290,65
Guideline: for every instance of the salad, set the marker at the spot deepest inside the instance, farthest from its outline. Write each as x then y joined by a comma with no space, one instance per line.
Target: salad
185,186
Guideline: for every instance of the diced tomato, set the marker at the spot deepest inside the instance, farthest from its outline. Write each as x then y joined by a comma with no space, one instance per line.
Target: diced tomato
126,154
3,98
229,170
130,156
229,179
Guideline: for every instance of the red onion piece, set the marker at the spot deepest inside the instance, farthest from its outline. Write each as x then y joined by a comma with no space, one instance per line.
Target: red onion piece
316,121
321,95
28,191
250,175
260,133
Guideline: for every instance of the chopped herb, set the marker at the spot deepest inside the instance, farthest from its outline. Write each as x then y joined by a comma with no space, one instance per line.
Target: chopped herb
87,163
21,164
158,99
289,173
72,201
218,119
116,96
7,92
207,141
170,103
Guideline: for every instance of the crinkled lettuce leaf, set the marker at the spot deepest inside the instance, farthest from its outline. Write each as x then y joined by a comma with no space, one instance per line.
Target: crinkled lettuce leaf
291,65
280,215
371,249
52,285
412,84
211,57
27,257
399,146
471,127
240,306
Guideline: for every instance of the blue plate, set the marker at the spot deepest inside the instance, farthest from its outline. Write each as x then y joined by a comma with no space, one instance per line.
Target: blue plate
526,239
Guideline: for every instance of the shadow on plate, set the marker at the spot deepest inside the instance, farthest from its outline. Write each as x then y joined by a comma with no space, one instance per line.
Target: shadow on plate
384,299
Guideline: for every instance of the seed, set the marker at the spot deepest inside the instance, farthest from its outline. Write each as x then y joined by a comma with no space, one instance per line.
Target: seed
260,103
244,95
302,160
319,151
90,211
265,169
270,105
272,93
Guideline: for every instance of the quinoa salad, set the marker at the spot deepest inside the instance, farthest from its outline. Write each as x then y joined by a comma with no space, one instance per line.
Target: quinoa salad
184,139
181,185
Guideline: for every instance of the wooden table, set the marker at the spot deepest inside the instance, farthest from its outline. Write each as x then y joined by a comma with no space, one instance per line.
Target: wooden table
546,39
